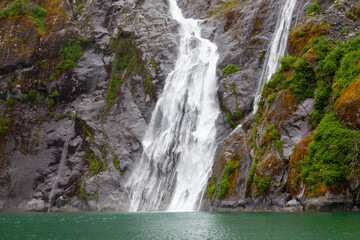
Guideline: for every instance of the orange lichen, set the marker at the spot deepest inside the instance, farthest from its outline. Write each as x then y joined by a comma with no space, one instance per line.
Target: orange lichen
299,153
347,106
284,105
312,30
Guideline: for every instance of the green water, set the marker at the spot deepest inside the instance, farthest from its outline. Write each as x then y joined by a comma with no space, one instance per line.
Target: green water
195,225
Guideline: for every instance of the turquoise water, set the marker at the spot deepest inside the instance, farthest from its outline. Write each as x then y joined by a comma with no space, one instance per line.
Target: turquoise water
195,225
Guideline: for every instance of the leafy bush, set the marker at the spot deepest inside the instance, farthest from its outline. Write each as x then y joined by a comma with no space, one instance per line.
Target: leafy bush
230,69
330,64
349,69
31,96
225,180
314,8
16,8
272,98
272,85
322,95
286,62
304,80
330,154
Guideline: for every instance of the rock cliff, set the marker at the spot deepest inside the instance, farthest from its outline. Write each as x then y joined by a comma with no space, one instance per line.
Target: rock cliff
79,80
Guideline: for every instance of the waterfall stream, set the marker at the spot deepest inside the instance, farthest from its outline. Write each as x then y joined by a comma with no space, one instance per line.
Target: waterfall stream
277,47
179,144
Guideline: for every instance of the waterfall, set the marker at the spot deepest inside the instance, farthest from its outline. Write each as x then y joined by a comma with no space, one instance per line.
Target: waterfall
277,47
62,161
179,144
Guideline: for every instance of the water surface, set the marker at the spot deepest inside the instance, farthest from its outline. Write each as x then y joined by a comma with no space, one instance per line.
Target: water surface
193,225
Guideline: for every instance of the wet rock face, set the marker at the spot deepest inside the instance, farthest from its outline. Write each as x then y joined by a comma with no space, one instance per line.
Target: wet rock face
79,161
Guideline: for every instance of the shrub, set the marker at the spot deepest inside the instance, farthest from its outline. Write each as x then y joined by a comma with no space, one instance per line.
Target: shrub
286,62
331,153
349,69
271,86
314,8
225,180
230,69
303,82
16,8
10,102
301,34
322,95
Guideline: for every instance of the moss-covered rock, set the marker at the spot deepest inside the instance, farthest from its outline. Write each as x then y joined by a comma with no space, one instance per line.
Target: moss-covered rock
347,106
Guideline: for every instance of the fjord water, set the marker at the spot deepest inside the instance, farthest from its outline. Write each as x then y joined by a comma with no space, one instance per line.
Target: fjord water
191,225
277,47
179,144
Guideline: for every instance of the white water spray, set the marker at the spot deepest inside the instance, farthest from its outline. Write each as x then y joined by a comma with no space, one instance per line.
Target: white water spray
277,47
179,144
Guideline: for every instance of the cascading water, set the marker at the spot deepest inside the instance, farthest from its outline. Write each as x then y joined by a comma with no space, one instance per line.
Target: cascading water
277,47
62,161
179,144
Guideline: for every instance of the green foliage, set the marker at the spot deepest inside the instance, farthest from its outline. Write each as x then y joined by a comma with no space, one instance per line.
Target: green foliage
50,100
273,133
322,95
230,69
16,8
211,188
79,8
10,102
271,86
94,164
4,125
62,116
303,82
286,62
39,14
31,96
322,47
225,180
314,8
331,154
232,119
272,98
126,61
116,162
349,69
301,34
350,15
251,173
262,182
231,2
330,64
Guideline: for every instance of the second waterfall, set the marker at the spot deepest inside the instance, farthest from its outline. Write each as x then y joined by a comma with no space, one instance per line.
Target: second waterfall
179,144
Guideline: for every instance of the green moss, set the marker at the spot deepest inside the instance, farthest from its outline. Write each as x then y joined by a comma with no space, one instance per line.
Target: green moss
50,100
31,96
15,8
126,62
314,8
331,154
230,69
4,125
116,162
350,15
79,8
272,98
272,85
262,183
62,116
211,188
10,102
39,14
225,180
